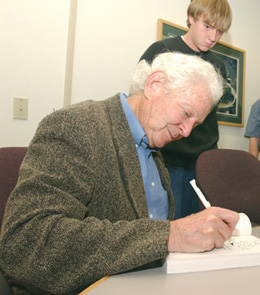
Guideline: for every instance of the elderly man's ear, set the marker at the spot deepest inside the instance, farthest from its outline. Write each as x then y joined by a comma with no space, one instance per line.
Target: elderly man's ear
155,84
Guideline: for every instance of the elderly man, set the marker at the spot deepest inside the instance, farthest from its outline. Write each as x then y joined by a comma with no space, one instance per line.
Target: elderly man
93,196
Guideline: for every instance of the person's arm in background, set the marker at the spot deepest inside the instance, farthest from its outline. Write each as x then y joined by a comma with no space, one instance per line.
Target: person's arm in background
253,146
253,129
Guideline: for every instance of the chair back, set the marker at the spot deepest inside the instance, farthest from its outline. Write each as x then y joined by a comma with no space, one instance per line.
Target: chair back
230,179
10,161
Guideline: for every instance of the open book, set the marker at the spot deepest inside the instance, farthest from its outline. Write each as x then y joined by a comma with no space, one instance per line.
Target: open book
242,250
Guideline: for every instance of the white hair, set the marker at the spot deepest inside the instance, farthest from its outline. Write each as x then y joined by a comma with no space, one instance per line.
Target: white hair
183,72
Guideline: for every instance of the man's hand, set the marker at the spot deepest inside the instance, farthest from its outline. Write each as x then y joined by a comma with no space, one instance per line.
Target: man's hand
202,231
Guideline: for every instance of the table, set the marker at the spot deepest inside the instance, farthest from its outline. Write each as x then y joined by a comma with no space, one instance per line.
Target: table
240,281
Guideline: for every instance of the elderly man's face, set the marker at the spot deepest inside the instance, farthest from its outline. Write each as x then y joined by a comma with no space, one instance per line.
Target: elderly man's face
172,116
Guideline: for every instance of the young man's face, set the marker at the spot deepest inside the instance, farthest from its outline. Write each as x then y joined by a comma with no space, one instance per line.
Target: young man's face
202,36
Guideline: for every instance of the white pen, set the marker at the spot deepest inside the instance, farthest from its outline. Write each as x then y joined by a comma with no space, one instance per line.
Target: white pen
203,199
200,194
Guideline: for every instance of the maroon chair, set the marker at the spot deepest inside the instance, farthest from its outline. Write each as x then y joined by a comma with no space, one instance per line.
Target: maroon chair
10,161
230,179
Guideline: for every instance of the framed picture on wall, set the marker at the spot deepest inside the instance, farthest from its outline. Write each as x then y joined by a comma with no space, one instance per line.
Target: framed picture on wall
231,108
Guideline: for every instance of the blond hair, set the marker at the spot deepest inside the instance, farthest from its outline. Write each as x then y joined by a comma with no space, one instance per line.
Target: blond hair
216,12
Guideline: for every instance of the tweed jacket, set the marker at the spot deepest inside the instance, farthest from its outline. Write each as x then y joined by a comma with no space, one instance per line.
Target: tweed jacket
79,211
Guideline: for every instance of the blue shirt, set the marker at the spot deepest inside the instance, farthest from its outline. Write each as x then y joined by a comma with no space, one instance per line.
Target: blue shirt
253,123
156,196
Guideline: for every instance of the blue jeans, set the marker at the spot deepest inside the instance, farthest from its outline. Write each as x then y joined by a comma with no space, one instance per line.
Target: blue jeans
186,200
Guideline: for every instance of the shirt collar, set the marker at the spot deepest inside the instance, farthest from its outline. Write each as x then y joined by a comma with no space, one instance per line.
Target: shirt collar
137,130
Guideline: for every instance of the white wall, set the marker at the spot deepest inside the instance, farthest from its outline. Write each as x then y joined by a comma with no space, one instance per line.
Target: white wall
110,37
33,36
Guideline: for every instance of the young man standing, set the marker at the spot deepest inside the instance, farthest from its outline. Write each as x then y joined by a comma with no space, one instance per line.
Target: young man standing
207,21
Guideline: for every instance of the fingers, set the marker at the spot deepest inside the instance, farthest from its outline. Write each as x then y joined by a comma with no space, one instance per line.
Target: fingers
202,231
223,225
229,217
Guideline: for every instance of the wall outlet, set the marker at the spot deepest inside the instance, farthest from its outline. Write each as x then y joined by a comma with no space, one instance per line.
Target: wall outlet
20,110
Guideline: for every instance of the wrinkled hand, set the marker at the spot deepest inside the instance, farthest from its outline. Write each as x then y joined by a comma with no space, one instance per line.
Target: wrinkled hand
202,231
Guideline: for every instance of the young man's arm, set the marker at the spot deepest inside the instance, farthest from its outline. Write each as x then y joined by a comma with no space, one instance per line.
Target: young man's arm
253,146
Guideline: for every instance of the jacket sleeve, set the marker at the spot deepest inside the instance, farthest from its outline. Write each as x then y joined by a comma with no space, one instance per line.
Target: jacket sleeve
51,241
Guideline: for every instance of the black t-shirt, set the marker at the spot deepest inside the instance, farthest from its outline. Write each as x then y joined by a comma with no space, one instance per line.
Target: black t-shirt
184,152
